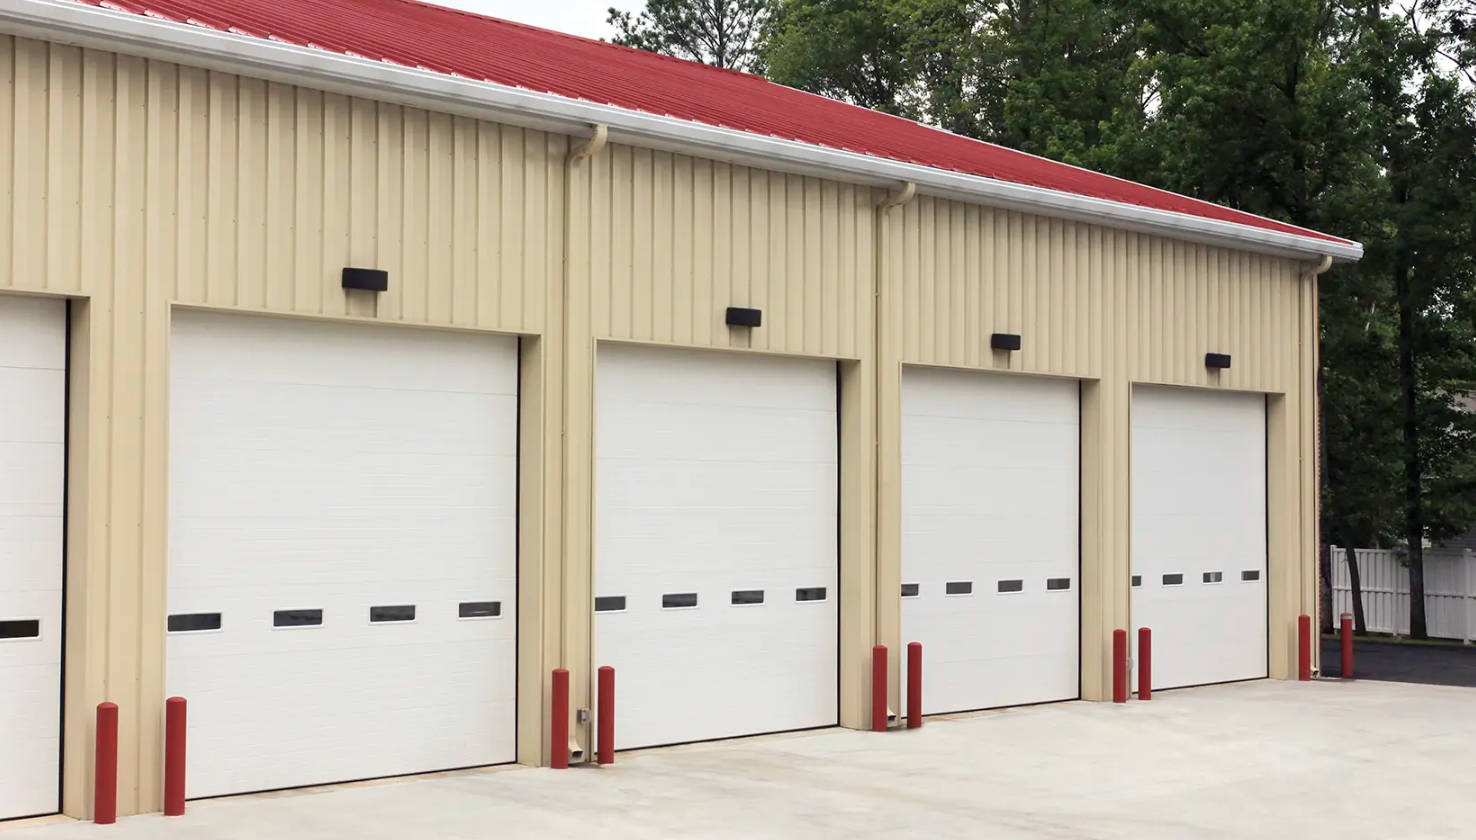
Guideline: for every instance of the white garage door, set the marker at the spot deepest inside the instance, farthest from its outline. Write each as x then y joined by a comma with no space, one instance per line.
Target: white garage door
342,538
33,384
990,516
1199,533
716,545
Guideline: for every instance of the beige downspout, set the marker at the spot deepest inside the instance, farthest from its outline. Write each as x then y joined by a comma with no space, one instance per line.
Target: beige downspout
898,196
579,731
1311,275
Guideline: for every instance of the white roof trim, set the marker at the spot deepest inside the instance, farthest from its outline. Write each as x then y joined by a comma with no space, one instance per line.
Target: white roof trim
65,21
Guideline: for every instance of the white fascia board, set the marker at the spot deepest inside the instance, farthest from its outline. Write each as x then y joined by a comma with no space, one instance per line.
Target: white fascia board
69,22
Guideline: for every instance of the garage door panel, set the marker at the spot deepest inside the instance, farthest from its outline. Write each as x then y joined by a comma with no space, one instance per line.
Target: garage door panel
33,384
337,468
990,482
716,473
1199,507
290,351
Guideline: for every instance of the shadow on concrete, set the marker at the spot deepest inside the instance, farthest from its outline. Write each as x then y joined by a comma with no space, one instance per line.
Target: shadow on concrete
1403,662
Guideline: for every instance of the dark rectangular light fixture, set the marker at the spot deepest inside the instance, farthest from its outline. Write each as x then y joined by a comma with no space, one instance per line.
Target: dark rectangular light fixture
366,279
740,317
1217,361
1004,341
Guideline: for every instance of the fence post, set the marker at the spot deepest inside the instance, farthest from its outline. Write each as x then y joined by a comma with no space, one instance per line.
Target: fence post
879,688
1466,595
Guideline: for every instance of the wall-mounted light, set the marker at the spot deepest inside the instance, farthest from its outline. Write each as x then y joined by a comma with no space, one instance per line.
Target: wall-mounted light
1217,361
1004,341
739,317
366,279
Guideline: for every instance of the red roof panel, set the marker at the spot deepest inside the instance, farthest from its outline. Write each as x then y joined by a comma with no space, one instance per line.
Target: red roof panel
449,41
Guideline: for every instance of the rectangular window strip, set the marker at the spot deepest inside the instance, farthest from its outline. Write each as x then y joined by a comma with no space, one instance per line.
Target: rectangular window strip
1250,574
297,618
810,593
958,587
1173,580
610,603
1137,580
911,590
678,600
193,622
1012,586
747,597
1214,577
479,609
1058,584
20,628
391,614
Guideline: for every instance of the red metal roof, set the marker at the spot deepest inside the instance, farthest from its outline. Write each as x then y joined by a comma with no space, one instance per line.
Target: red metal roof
459,43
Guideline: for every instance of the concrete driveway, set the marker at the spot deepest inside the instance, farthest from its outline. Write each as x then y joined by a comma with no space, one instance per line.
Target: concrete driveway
1254,760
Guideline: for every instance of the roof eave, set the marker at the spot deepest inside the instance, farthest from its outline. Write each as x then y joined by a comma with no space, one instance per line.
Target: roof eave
98,28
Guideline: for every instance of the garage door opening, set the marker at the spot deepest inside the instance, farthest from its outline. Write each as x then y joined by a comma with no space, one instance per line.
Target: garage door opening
991,491
33,424
342,550
1199,533
716,545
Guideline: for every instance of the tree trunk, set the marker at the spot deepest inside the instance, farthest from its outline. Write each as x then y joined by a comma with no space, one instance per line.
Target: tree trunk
1414,507
1355,585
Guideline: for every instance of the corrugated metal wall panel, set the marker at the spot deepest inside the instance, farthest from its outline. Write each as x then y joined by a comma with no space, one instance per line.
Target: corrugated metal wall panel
135,185
688,238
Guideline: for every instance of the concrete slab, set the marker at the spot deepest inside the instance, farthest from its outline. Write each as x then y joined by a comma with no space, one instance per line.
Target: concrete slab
1254,760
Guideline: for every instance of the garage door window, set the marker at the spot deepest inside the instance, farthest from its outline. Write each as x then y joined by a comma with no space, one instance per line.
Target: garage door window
22,628
679,601
394,614
297,618
1214,577
1173,580
194,622
1058,584
810,593
1250,575
910,590
610,603
747,597
959,587
479,609
1011,586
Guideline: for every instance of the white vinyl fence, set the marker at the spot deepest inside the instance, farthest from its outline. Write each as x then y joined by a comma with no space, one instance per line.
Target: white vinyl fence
1450,591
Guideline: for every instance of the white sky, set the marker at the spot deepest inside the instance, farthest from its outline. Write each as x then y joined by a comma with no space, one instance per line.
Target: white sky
577,17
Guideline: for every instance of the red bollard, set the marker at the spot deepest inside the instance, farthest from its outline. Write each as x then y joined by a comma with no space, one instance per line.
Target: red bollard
1347,645
558,727
174,757
1119,666
606,710
1145,663
914,685
105,776
879,688
1304,648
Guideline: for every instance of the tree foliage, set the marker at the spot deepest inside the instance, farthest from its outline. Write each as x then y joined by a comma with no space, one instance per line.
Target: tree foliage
723,33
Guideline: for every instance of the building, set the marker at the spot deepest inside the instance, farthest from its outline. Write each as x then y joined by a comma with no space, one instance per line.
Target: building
639,363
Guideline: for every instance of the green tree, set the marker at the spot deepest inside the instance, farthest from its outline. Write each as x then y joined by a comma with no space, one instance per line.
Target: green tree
723,33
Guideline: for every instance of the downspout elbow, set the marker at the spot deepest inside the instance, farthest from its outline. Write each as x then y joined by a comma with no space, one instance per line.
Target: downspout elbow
900,195
591,145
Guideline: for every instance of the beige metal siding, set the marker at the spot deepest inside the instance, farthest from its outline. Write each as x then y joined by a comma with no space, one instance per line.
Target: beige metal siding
135,185
1111,308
